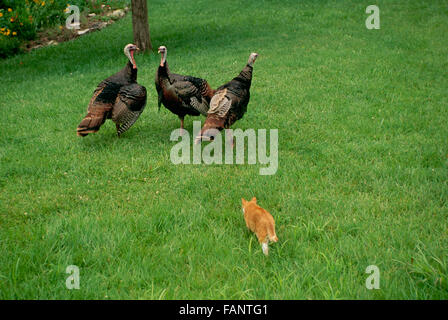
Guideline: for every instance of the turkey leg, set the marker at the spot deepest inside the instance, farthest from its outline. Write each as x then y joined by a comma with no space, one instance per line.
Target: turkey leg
181,126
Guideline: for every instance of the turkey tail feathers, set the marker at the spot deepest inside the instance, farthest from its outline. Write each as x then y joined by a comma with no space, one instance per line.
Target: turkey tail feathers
90,124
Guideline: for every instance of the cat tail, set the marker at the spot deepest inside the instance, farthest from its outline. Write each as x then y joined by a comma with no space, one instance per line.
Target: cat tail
271,234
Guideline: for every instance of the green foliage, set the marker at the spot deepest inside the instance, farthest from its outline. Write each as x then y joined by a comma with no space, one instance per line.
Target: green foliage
363,169
8,47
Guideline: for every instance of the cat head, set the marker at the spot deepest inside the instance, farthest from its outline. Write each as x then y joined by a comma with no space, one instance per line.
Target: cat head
245,202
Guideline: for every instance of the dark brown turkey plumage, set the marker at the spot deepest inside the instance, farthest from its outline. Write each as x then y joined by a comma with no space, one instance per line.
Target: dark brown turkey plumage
182,95
118,97
229,102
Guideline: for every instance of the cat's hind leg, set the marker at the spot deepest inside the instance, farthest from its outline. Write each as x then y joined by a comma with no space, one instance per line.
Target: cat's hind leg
262,236
265,248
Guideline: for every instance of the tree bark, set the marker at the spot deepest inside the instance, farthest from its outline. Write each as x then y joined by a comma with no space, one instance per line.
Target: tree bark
140,25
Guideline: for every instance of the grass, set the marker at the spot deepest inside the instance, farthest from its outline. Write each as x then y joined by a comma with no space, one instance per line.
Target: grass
362,179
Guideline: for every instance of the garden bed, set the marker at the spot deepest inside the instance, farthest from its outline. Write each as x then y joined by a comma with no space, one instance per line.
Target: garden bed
90,22
32,24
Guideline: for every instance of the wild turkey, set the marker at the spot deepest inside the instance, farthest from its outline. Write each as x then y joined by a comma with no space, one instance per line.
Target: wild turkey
118,97
229,103
182,95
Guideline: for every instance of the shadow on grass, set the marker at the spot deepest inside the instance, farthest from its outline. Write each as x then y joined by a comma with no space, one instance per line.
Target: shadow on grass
143,134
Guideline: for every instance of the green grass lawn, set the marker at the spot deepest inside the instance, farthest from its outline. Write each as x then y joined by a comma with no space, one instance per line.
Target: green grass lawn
363,154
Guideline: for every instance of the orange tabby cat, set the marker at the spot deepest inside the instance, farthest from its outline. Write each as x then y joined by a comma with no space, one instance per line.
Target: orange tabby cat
259,221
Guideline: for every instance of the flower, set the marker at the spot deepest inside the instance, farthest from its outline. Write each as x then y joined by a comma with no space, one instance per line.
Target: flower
14,33
43,3
1,14
9,10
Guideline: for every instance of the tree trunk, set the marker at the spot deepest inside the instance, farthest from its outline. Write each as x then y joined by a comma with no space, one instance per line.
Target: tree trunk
140,25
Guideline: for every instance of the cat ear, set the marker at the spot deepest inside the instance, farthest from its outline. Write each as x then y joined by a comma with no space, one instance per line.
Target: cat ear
243,201
254,199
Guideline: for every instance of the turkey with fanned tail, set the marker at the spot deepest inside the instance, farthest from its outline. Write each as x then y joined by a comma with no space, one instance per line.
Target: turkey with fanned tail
118,97
229,103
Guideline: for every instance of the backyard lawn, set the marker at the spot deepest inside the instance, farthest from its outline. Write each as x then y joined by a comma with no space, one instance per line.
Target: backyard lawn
362,173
